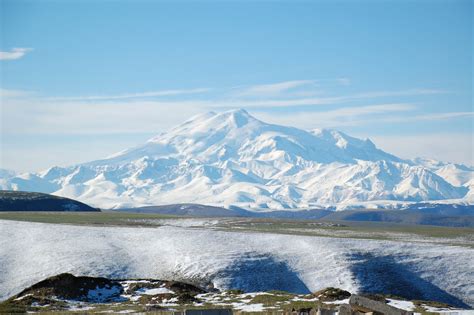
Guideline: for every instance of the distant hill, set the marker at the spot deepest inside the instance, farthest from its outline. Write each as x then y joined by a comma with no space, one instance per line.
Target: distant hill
33,201
461,216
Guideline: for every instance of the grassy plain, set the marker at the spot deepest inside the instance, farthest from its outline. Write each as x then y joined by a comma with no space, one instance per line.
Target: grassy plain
341,229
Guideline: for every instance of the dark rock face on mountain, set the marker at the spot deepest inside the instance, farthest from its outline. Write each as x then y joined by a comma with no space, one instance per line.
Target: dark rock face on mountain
32,201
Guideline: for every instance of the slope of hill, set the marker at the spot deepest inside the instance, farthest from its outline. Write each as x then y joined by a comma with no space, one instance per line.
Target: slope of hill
233,159
411,266
30,201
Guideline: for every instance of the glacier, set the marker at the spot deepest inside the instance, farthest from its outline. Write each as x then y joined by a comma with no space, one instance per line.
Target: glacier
233,159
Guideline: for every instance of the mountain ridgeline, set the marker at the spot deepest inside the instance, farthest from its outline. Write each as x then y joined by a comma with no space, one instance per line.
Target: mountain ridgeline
232,159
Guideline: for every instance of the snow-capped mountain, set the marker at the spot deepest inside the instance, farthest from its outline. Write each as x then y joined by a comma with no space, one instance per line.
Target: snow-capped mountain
232,158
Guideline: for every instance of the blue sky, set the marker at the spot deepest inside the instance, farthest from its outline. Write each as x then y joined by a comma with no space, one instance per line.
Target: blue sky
83,79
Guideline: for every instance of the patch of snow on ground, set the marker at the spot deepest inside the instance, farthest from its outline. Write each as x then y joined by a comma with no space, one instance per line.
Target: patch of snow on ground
249,307
79,307
297,298
404,305
443,311
154,291
22,297
182,222
345,301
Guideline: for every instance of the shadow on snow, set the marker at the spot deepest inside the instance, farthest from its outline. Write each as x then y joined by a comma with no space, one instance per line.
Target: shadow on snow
252,273
384,274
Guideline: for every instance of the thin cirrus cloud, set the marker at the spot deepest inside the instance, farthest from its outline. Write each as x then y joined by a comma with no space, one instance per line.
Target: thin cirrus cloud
345,116
5,93
152,112
258,104
145,112
282,94
295,87
14,53
444,146
273,89
343,81
409,92
441,116
425,117
132,95
154,116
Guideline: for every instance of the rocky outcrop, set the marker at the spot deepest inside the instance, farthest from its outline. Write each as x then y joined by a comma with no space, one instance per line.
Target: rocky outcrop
66,293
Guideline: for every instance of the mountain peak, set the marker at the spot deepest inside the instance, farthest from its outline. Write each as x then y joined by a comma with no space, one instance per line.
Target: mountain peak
233,159
236,117
211,122
237,112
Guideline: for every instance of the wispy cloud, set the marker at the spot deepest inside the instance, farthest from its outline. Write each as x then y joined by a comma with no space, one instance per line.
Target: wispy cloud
452,147
274,89
359,116
425,117
322,100
4,93
148,113
15,53
345,116
105,114
132,95
409,92
442,116
343,81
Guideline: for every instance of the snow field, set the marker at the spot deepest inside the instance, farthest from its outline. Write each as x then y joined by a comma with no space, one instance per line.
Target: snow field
30,252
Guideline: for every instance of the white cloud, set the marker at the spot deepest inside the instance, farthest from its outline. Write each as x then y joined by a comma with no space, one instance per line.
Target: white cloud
132,113
409,92
425,117
449,147
94,117
4,93
15,53
345,116
273,89
308,101
442,116
129,113
132,95
343,81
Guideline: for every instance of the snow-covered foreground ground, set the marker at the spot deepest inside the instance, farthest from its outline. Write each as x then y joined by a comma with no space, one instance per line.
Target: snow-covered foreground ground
30,252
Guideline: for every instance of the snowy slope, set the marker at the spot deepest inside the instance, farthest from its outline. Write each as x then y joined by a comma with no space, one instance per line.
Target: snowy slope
29,252
231,158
